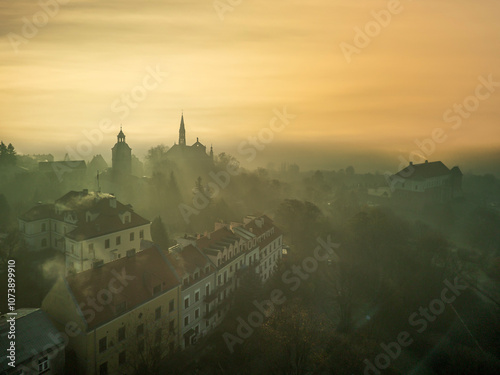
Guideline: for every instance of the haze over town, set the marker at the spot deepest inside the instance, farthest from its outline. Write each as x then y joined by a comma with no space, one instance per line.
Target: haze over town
208,187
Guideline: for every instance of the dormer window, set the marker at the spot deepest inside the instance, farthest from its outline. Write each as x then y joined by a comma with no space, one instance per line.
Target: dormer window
186,281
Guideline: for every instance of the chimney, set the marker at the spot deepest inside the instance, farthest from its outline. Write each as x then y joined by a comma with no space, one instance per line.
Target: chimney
112,202
426,161
411,163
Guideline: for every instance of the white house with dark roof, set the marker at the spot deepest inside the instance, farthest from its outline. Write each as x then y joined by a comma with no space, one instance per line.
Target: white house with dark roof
91,228
429,181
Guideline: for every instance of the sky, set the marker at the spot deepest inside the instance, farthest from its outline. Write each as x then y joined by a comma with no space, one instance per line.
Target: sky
363,83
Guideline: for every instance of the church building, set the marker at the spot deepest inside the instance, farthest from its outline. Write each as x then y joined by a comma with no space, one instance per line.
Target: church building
196,154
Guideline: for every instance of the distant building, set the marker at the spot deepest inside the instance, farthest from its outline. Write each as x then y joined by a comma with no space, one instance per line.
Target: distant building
194,156
119,317
427,182
39,347
97,164
89,227
74,170
121,157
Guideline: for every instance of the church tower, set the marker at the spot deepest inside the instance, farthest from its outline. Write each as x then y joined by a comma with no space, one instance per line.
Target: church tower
182,133
121,156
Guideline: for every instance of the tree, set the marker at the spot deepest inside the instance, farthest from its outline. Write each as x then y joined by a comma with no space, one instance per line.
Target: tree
150,344
11,154
10,245
224,160
292,340
159,233
5,213
156,157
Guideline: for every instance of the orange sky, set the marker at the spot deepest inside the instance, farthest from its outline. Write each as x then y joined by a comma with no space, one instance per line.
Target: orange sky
229,75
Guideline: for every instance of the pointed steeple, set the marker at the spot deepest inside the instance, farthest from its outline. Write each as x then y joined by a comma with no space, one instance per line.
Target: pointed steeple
211,152
182,132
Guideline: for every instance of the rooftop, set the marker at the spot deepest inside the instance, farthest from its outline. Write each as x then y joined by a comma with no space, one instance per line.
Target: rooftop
138,275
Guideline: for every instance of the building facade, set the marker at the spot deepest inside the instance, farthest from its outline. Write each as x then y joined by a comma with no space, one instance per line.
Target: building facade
427,182
119,317
89,227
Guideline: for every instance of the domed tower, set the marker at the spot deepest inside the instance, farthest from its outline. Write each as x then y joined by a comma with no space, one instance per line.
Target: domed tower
121,156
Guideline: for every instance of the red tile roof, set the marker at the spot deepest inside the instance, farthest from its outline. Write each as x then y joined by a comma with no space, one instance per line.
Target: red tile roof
215,236
188,260
138,275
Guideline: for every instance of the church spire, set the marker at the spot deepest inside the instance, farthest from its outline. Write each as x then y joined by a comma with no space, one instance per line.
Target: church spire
182,132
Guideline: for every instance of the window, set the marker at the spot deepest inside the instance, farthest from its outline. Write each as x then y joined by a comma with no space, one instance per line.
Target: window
219,279
103,368
196,296
44,242
171,326
231,269
158,313
103,344
158,336
157,289
141,234
121,334
186,302
106,244
171,305
122,358
44,227
196,275
186,281
186,321
43,364
118,240
207,269
132,235
140,330
207,290
196,313
91,247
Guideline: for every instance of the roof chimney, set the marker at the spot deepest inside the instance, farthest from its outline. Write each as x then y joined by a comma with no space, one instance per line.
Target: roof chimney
411,163
426,161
